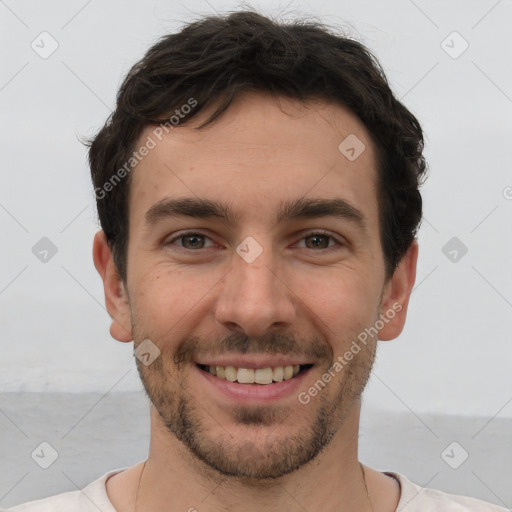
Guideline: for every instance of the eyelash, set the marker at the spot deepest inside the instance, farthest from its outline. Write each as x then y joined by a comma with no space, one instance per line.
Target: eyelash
305,235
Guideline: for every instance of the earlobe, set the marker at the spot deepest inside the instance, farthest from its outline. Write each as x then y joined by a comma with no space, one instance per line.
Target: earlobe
116,299
396,295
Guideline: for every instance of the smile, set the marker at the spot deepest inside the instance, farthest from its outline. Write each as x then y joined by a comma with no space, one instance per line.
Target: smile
263,376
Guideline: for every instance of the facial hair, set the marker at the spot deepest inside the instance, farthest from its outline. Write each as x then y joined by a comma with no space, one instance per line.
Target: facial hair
186,416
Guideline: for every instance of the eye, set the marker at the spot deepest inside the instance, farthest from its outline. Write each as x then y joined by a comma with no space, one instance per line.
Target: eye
314,240
319,240
190,240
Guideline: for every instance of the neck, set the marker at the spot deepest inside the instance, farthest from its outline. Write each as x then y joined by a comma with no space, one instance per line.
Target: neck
333,481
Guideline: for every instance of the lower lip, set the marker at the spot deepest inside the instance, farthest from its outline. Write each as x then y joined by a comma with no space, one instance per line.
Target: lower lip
255,392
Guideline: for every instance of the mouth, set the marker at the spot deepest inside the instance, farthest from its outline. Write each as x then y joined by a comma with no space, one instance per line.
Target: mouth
261,376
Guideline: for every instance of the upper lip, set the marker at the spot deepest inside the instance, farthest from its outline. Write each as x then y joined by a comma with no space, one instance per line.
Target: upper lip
253,361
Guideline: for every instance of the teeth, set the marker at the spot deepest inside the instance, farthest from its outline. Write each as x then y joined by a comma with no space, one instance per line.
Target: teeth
245,376
258,376
230,373
278,373
263,376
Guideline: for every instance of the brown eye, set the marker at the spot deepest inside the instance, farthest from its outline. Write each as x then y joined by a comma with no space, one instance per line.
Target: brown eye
190,241
318,241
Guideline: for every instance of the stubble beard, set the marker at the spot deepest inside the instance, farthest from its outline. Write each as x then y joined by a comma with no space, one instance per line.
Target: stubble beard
271,458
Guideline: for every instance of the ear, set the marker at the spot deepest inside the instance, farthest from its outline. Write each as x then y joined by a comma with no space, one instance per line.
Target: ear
397,291
116,298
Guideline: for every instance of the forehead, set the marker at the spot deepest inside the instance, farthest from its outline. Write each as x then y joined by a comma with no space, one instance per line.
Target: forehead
261,150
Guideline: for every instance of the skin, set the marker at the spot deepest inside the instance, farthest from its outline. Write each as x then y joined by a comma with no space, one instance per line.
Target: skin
259,153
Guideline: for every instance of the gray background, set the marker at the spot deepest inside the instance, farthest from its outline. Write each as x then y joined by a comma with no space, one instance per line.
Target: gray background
445,379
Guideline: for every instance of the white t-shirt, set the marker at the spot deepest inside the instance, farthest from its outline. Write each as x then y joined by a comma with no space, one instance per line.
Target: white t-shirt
413,498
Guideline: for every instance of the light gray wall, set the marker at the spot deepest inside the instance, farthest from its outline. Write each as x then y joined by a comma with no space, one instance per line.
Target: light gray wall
455,354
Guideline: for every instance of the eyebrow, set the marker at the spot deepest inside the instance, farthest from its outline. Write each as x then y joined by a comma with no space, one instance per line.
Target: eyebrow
301,208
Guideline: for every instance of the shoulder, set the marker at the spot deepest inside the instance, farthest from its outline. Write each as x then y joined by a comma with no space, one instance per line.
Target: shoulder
66,501
91,498
415,498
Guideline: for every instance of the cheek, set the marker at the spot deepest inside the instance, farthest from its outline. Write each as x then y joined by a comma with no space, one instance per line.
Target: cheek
167,300
343,303
160,298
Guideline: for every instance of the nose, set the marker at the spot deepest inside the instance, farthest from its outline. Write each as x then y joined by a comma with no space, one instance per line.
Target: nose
254,297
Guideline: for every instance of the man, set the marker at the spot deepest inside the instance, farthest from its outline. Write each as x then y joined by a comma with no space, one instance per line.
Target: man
257,187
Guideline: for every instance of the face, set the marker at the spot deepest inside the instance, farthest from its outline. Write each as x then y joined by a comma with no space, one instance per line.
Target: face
254,263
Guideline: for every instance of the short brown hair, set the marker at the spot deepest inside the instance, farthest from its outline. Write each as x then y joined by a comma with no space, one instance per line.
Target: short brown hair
218,58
